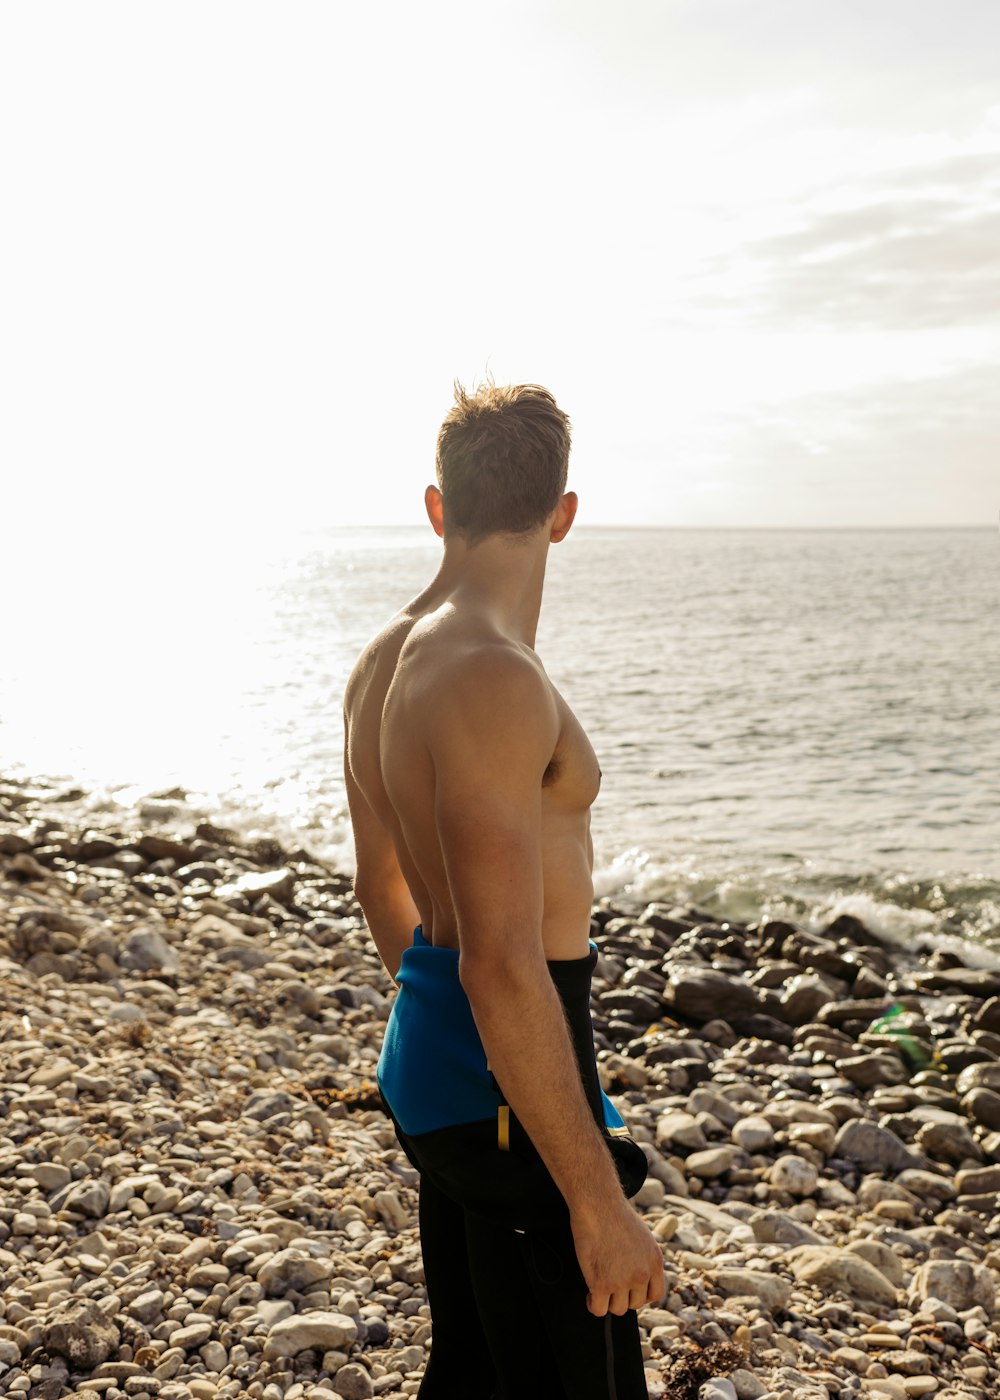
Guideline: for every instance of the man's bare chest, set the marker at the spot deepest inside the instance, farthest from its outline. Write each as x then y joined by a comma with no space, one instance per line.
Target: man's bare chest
573,776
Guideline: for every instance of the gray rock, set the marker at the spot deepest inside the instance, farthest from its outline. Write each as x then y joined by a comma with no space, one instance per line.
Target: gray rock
82,1334
911,1363
717,1388
804,997
278,884
264,1104
680,1129
882,1257
704,1100
51,1176
293,1269
187,1338
147,1307
772,1290
753,1133
146,950
321,1331
956,1282
88,1198
353,1382
927,1185
951,1141
746,1385
872,1147
775,1227
794,1175
869,1071
713,1162
841,1271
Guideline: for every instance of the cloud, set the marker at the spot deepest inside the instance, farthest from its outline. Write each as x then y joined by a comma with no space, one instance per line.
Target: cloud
913,249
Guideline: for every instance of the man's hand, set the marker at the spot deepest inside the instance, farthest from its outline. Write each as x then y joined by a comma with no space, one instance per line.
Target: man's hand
620,1260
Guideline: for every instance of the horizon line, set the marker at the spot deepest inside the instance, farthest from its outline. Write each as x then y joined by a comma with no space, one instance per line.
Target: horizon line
628,525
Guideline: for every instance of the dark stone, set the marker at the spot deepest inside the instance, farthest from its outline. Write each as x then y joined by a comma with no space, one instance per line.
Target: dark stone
868,984
959,1055
645,979
774,974
762,1027
983,1108
839,1013
659,916
703,994
987,1018
163,848
806,997
851,928
978,982
632,1004
93,846
873,1148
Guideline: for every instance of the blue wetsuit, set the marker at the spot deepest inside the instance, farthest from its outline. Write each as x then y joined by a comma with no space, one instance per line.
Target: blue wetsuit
507,1298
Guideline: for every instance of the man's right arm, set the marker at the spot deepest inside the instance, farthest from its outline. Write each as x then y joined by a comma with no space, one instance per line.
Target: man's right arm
492,737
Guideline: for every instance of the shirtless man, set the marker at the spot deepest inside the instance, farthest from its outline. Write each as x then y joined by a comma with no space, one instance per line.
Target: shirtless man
470,782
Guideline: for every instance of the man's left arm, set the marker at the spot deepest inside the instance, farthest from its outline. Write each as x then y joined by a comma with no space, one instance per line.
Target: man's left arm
379,885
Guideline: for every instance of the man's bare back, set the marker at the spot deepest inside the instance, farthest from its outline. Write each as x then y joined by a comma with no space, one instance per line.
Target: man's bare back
470,783
404,681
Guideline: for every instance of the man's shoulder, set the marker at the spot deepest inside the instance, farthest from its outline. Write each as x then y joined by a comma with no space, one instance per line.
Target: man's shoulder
481,672
384,646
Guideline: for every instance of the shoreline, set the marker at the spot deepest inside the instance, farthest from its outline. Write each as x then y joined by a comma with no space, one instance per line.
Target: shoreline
202,1198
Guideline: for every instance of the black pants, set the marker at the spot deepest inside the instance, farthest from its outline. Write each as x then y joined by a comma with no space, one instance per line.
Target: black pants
509,1314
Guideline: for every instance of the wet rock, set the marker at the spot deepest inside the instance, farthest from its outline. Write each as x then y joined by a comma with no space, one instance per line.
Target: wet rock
983,1107
867,1071
981,1076
702,994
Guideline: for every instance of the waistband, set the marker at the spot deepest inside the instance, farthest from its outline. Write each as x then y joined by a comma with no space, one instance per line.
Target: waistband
433,1070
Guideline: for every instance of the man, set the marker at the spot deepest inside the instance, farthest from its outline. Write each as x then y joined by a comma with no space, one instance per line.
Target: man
470,783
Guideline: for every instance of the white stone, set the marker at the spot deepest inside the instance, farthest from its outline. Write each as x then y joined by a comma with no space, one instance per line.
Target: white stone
794,1175
322,1331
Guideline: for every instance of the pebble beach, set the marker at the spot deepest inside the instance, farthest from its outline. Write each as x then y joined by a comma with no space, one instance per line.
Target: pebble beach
201,1199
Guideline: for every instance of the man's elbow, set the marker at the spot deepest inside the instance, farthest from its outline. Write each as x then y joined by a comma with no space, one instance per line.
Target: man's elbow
498,975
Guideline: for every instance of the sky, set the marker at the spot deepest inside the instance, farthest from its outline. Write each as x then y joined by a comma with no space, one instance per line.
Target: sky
752,246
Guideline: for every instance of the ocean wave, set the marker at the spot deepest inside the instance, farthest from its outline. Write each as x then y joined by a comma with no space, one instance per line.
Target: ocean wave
956,912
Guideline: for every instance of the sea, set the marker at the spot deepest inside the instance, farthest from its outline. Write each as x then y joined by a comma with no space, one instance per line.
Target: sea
790,722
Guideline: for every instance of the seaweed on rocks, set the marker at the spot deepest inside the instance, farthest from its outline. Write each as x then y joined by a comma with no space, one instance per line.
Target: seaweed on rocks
685,1375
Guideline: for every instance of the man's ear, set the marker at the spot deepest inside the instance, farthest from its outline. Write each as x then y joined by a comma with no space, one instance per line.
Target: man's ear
435,509
564,517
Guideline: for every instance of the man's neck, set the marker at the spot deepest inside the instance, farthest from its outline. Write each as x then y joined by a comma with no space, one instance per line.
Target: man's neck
500,576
